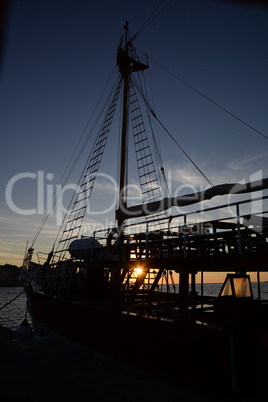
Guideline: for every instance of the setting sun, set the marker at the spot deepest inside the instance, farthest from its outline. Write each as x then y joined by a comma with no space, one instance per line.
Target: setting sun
138,271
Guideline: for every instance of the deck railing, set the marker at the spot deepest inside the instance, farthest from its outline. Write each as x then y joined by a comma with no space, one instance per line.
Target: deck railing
240,219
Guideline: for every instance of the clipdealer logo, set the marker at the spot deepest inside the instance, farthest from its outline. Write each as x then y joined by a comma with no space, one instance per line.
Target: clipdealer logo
52,198
44,192
49,198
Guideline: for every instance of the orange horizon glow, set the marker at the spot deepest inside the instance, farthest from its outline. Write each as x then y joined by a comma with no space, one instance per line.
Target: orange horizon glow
208,277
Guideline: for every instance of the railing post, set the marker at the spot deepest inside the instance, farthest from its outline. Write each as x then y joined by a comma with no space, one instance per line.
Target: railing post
91,255
184,234
258,284
202,290
238,229
146,244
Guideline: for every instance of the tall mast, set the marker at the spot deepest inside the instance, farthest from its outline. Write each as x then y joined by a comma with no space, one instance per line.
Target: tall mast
127,65
125,71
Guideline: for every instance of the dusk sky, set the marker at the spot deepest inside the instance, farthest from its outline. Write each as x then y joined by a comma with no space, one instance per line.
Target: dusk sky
57,58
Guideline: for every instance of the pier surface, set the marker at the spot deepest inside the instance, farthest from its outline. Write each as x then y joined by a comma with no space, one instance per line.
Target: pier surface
37,371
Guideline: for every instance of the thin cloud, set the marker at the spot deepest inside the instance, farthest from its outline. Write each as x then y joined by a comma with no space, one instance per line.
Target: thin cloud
242,162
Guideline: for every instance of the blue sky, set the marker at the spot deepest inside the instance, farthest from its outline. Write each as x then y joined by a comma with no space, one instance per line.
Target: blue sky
58,57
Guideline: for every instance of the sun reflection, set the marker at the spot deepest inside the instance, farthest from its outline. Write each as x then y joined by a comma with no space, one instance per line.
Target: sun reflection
138,270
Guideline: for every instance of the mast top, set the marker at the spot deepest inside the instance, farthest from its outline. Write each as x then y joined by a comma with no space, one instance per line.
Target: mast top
127,59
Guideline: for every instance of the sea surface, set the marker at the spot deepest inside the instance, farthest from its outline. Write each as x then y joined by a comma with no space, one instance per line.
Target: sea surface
12,306
13,301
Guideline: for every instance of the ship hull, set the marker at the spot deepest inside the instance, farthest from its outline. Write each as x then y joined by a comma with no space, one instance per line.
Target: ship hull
202,357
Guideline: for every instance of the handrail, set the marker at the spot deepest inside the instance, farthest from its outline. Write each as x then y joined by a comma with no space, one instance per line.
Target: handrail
167,218
188,227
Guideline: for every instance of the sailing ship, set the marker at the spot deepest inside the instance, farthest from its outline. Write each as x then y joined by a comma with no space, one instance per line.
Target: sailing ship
114,292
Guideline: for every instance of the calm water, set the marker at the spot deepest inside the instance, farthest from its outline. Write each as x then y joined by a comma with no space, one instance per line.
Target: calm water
13,314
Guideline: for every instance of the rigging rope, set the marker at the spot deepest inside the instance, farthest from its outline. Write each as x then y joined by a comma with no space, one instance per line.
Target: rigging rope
210,100
176,142
156,142
70,167
1,308
171,136
150,19
83,174
157,146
